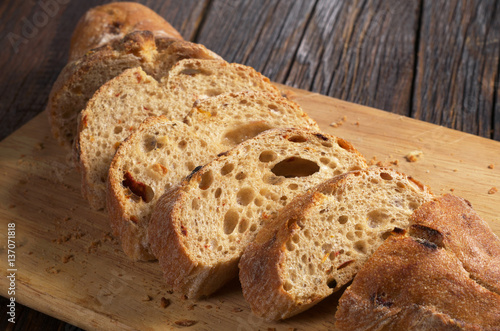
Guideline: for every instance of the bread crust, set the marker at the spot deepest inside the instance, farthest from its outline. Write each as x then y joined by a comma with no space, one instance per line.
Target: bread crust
452,223
412,284
102,24
269,299
80,79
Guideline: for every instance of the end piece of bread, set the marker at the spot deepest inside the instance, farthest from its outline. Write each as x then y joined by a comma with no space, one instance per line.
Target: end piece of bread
322,238
199,230
111,21
217,124
79,79
412,284
451,222
121,104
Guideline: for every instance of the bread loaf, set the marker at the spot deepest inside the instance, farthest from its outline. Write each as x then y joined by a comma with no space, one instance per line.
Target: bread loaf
79,79
215,125
112,21
199,230
322,238
444,277
120,105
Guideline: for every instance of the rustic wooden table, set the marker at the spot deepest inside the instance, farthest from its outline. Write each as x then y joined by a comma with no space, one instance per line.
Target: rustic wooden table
437,61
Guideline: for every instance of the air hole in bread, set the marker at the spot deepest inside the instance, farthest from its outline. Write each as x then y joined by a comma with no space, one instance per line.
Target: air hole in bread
267,156
324,160
287,286
182,144
290,246
253,227
295,238
326,248
245,196
297,139
243,225
293,187
273,179
230,221
206,180
343,219
190,166
241,175
273,107
386,235
385,176
195,204
377,218
295,167
226,169
350,236
332,284
311,268
327,144
245,132
217,193
360,246
258,201
307,233
118,129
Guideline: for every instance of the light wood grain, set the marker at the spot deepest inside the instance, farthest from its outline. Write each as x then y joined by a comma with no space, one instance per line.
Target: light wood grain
69,266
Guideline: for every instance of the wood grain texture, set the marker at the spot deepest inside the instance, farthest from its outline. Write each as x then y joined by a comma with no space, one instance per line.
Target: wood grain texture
360,51
71,268
458,60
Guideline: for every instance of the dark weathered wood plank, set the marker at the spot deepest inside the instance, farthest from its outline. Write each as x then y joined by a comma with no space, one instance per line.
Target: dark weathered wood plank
458,65
360,51
35,40
261,34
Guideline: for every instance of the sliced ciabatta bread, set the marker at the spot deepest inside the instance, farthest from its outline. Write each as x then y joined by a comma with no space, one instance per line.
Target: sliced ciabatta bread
199,230
102,24
444,277
156,156
79,79
120,105
220,123
319,241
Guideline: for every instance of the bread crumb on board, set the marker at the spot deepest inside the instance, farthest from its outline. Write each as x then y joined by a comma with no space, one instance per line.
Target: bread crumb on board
491,166
414,156
164,302
146,297
493,190
67,258
185,322
338,122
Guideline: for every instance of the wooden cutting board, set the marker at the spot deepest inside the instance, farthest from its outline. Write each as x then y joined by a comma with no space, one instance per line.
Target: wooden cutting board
69,266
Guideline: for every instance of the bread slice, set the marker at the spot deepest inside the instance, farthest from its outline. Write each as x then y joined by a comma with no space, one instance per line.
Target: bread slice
199,230
220,123
157,155
322,238
111,21
412,284
120,105
79,79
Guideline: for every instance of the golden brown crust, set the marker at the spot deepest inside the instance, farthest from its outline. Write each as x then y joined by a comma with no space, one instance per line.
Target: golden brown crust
112,21
80,79
450,222
412,284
